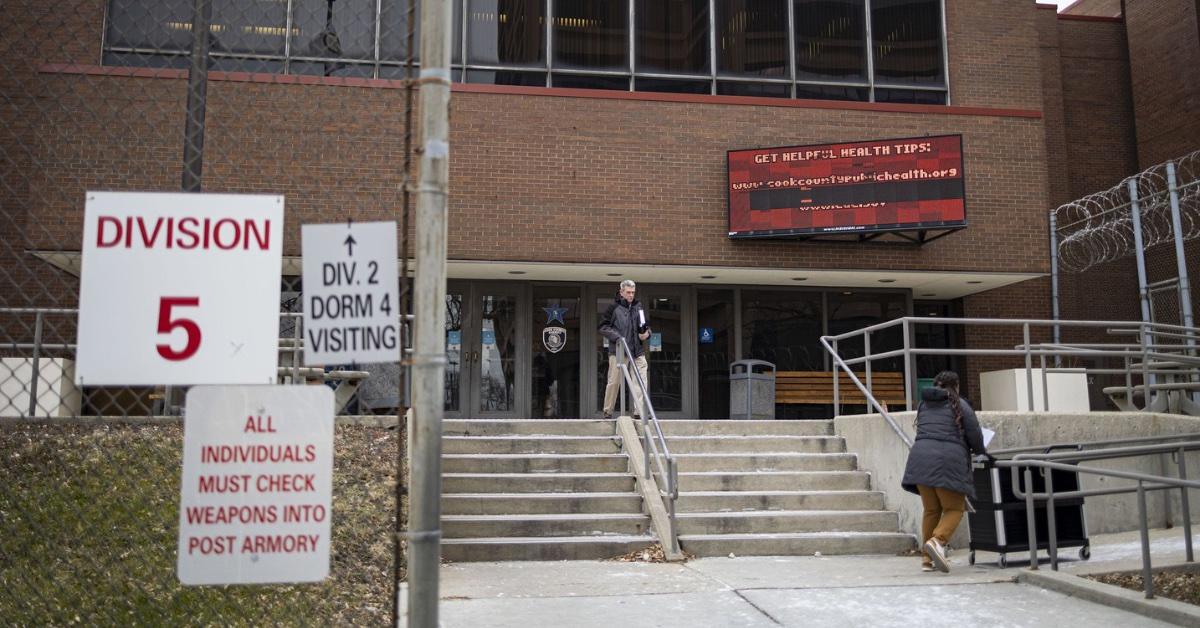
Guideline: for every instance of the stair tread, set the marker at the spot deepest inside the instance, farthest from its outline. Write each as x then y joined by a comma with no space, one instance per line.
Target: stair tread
531,540
754,473
775,493
751,437
549,517
499,496
780,513
530,437
491,456
538,475
738,536
757,454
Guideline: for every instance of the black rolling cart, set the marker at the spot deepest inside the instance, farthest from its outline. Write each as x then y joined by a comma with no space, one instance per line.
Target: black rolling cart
999,523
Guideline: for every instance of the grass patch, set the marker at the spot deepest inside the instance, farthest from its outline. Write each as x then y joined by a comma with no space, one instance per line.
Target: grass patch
90,524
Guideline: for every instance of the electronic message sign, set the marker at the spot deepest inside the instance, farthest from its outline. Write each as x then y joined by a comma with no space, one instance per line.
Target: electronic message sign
855,187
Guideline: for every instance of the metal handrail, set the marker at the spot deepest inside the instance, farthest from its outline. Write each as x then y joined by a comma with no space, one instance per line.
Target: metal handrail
668,468
1145,482
1141,358
871,400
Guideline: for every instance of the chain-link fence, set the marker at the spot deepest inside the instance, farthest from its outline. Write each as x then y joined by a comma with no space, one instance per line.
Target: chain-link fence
301,98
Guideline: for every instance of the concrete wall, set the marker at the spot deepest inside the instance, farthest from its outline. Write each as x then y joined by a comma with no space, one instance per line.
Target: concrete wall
881,452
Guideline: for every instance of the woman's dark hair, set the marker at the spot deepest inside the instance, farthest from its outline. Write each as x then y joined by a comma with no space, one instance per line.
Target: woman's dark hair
948,381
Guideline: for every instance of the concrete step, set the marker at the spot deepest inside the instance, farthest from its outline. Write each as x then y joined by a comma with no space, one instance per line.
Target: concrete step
545,548
535,463
775,481
528,427
539,503
591,524
804,544
766,462
531,445
727,427
717,501
537,483
787,521
755,444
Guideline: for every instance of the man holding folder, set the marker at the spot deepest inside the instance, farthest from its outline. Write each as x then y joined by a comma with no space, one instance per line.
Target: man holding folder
626,319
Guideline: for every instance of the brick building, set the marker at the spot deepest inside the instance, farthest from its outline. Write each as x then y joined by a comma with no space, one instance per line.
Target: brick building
585,151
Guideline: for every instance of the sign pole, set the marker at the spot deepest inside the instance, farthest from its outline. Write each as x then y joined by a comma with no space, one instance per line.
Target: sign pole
429,359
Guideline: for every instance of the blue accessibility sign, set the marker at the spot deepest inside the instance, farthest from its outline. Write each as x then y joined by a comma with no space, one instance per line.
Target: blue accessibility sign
707,336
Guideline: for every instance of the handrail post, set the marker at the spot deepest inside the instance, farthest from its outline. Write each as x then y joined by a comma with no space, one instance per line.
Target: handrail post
35,365
1186,506
1147,577
646,443
837,376
1028,368
621,355
1045,385
1146,396
909,393
867,364
1029,518
296,337
1128,382
1051,523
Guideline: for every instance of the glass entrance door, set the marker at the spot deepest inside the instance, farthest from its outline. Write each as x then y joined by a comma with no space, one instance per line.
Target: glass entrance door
670,346
484,374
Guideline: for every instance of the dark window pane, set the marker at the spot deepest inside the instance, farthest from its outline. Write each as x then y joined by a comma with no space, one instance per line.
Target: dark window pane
504,77
672,86
344,29
252,27
137,60
393,31
784,328
769,90
910,96
506,32
555,351
164,25
832,92
672,36
591,34
714,318
591,82
854,311
831,39
907,41
332,68
752,37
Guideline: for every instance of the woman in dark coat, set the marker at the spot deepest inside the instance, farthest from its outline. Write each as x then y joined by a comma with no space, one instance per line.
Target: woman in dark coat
939,465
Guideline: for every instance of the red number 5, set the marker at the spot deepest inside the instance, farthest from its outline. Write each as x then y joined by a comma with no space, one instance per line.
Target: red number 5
165,325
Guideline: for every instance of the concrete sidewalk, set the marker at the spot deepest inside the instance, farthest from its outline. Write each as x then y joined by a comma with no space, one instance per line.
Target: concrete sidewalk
783,591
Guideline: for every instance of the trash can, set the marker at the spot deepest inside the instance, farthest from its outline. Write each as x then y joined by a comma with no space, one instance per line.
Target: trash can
751,390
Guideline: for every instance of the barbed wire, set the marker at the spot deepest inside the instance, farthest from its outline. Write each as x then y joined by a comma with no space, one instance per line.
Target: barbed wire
1098,228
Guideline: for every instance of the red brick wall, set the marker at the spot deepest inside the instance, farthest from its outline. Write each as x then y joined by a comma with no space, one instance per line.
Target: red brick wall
1164,56
994,57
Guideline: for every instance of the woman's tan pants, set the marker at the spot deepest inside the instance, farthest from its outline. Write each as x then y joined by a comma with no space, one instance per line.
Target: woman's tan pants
943,511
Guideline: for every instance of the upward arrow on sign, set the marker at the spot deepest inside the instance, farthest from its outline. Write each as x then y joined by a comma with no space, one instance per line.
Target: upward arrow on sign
350,242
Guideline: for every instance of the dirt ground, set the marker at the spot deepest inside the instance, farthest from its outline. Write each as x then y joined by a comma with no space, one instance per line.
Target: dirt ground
1175,585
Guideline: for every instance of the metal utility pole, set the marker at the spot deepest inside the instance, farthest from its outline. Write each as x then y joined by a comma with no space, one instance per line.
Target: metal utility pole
429,308
197,99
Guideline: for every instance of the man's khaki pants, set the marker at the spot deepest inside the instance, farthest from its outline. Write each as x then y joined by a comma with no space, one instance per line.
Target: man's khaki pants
612,391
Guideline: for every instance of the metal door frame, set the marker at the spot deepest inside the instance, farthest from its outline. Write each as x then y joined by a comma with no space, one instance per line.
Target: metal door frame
472,327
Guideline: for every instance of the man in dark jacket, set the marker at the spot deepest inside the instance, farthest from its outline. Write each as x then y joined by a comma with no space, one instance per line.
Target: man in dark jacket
939,465
626,319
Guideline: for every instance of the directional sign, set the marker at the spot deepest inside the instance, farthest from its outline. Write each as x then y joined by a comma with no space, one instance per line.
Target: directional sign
351,300
179,289
257,484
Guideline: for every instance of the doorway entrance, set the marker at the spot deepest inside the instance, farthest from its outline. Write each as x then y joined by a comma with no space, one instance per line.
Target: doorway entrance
486,371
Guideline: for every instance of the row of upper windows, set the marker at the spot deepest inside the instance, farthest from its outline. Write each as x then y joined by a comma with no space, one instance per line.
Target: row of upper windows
882,50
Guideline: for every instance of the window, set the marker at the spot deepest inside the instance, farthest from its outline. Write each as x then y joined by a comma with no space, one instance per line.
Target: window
831,40
752,38
907,42
878,51
591,34
672,36
506,32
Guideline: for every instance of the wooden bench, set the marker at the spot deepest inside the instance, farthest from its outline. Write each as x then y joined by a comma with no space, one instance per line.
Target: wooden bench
816,387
